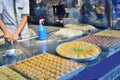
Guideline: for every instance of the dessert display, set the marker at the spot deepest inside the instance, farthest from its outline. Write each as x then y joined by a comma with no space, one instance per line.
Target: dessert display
105,42
83,27
78,50
8,74
112,33
67,32
46,67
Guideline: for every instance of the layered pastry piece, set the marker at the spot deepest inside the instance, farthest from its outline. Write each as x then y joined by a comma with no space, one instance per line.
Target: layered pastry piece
83,27
78,50
2,77
46,67
102,41
8,74
112,33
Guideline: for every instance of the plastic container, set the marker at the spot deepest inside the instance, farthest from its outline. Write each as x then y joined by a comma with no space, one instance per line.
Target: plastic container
10,52
114,14
41,32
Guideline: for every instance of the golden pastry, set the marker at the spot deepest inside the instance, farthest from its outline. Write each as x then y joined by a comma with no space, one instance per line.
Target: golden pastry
41,70
78,50
112,33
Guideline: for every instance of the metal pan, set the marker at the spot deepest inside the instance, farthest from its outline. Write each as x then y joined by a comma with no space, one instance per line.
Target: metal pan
80,59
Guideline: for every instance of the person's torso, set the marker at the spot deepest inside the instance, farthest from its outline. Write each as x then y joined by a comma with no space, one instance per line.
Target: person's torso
10,9
12,14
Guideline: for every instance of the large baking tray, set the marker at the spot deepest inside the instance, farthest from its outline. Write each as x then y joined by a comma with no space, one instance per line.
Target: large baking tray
12,72
80,59
109,32
106,43
64,77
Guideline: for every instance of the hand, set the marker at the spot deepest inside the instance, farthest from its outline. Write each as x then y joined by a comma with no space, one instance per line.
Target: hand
41,21
14,37
39,1
7,36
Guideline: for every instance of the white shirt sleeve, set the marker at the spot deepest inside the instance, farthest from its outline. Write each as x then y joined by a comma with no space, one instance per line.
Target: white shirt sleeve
26,9
1,8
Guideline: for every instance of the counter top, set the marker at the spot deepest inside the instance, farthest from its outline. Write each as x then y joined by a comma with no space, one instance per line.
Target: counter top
33,46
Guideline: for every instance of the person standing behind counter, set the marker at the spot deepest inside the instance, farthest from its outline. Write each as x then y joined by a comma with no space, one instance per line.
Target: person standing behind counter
13,19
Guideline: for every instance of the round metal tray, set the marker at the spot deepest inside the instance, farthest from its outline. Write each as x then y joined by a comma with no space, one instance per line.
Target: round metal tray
80,59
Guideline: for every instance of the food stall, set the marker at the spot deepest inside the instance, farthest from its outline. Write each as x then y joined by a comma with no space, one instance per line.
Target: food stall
72,52
33,55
